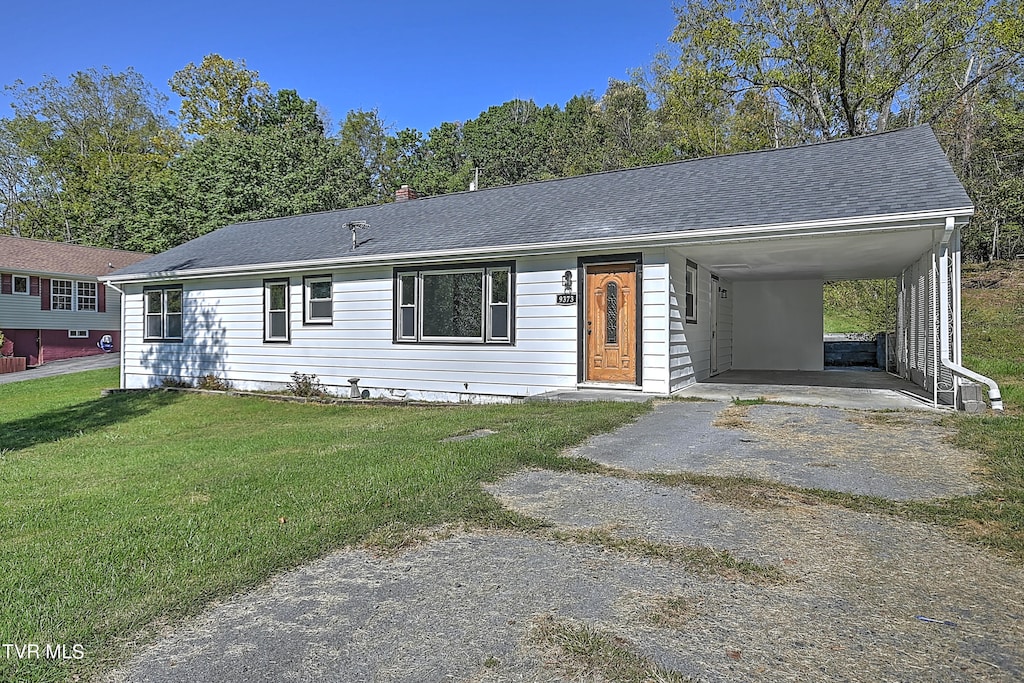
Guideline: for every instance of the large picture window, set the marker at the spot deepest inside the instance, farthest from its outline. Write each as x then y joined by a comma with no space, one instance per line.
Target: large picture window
455,305
163,313
276,315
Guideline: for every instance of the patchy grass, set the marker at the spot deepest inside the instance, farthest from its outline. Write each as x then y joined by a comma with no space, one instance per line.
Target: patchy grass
993,518
583,653
134,509
669,611
993,326
695,558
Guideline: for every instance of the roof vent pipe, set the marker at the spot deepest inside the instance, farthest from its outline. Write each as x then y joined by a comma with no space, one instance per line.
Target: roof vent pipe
993,389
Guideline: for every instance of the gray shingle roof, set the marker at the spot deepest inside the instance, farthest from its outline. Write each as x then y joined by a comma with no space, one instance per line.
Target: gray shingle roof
891,173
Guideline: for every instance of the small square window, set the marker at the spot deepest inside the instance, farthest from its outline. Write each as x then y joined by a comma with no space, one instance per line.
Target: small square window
20,284
319,300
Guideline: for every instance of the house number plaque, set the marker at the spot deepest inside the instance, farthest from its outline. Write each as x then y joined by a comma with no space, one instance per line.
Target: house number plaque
567,299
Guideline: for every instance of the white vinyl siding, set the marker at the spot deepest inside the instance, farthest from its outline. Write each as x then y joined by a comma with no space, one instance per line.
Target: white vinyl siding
690,342
223,331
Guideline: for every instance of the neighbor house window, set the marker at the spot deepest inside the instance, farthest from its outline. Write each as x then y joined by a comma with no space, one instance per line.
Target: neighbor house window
86,292
20,284
691,292
318,302
275,306
78,334
61,295
455,305
163,313
67,295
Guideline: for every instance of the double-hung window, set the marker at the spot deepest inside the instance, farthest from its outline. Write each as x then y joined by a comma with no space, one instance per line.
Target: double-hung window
86,294
276,314
61,295
470,305
163,313
318,300
691,292
69,295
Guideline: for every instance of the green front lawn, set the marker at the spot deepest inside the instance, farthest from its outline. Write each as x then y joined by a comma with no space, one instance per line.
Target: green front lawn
123,511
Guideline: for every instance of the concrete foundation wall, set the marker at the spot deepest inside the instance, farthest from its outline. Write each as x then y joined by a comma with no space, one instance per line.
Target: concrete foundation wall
777,325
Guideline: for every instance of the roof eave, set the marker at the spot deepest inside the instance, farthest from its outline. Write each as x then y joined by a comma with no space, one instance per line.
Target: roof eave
911,220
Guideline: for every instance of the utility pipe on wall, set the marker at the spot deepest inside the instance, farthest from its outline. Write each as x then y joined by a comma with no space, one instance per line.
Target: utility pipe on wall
947,362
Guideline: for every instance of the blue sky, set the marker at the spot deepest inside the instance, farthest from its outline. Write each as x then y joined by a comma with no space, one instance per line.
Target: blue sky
418,63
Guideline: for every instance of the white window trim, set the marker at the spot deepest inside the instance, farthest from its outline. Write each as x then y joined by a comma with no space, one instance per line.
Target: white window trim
70,295
78,334
307,301
486,304
267,326
76,305
95,296
14,287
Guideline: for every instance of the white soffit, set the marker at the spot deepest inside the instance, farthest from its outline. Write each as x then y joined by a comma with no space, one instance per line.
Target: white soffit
825,257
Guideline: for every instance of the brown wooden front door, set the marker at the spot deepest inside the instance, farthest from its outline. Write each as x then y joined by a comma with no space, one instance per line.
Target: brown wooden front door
610,323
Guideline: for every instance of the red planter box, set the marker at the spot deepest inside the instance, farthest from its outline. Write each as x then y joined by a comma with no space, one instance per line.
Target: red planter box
12,364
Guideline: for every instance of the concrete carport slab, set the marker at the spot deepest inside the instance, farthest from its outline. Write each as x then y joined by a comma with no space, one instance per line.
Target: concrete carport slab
839,388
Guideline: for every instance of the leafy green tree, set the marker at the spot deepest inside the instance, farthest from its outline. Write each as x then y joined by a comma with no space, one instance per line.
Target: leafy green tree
835,67
69,141
217,94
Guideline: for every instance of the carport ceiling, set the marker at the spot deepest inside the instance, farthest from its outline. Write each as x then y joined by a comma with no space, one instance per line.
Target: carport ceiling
880,254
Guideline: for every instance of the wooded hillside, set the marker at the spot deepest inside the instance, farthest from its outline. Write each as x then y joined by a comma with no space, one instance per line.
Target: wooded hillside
98,159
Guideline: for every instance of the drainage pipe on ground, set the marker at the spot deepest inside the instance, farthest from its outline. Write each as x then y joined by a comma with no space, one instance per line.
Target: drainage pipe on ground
993,389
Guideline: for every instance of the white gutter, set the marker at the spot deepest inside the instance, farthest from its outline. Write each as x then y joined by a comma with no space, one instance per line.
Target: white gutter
865,224
993,389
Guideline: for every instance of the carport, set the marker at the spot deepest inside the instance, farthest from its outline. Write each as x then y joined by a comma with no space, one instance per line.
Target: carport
774,337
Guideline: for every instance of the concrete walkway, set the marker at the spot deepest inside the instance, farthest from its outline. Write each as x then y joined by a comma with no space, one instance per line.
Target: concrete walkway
63,367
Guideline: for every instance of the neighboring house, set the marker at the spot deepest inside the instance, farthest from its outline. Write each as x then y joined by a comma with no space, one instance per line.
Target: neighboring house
52,304
645,279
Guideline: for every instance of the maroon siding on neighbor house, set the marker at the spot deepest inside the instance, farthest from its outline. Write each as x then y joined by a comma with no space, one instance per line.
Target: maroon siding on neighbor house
25,344
57,345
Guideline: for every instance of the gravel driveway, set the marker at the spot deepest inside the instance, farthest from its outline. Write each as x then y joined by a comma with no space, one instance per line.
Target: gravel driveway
863,597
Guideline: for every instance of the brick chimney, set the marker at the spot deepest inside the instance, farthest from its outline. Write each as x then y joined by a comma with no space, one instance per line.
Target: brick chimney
405,193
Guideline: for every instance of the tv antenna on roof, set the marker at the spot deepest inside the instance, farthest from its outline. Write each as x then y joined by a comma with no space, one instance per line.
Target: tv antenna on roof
353,226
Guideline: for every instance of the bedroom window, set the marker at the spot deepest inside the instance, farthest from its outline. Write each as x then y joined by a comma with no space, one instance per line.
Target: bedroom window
319,300
275,306
20,284
61,295
691,292
86,292
163,313
455,305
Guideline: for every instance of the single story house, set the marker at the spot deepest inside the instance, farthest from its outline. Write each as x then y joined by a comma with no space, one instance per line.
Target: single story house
52,304
645,279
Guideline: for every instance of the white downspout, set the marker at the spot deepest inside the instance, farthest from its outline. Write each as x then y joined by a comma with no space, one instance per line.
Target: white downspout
993,389
120,351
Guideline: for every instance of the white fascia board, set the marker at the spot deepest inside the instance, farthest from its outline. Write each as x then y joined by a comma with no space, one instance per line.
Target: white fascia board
866,224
